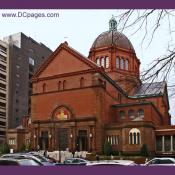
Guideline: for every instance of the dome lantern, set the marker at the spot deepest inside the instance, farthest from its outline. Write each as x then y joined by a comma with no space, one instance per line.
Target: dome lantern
112,23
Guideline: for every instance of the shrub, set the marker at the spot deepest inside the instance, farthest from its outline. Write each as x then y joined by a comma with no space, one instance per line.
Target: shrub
144,150
115,153
107,148
4,148
23,148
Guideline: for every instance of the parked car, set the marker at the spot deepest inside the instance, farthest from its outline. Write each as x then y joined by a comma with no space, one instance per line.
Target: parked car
18,162
164,161
43,159
112,163
36,158
74,161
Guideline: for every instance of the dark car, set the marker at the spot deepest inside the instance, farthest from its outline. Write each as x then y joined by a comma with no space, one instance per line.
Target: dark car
37,158
45,160
18,162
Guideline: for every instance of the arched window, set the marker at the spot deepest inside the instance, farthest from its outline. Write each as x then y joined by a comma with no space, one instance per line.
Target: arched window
64,84
138,138
134,136
98,61
117,62
122,114
103,61
82,82
111,141
107,62
131,114
59,85
44,87
130,138
141,113
122,63
126,64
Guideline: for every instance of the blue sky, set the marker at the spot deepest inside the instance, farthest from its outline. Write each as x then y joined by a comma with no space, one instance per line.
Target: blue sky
80,28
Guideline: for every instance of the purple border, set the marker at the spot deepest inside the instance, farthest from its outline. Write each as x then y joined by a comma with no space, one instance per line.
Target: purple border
85,4
67,170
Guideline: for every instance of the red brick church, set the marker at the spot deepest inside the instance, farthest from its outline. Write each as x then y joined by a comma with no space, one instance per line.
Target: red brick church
79,102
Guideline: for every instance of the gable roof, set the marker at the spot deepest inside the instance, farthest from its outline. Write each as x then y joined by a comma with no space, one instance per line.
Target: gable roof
72,51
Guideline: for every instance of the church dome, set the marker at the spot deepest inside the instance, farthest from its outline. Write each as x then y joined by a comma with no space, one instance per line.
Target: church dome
112,36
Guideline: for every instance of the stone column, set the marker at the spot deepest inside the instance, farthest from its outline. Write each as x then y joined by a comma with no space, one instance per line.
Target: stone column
171,144
163,143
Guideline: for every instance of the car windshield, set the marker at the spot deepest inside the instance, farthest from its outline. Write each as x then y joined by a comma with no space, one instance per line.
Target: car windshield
42,159
28,162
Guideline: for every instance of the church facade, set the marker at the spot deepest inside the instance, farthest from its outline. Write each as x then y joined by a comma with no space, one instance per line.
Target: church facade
80,102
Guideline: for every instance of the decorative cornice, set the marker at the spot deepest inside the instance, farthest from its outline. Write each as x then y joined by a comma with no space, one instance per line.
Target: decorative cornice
64,75
82,119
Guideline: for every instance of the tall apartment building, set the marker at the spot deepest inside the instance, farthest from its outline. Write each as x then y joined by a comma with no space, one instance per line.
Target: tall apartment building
3,89
25,56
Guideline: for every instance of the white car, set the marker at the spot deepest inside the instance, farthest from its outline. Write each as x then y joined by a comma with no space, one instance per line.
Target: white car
164,161
112,163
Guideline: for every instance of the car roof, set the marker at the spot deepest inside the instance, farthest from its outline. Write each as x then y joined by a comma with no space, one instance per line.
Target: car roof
164,158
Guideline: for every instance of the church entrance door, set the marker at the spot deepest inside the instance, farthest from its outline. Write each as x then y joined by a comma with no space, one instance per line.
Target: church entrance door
82,140
63,141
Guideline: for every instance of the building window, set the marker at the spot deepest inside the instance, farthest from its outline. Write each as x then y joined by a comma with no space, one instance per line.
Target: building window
113,139
98,61
3,58
64,84
3,67
107,62
130,138
2,76
3,104
122,63
44,87
2,95
103,61
12,141
2,48
2,86
122,114
131,114
27,141
82,82
138,138
134,136
117,62
31,61
141,113
126,64
59,86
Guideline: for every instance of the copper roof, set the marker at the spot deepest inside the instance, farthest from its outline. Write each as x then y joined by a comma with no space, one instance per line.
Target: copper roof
113,37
